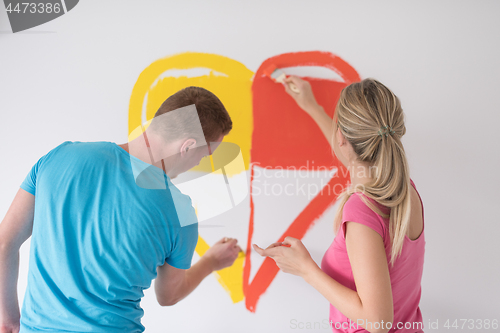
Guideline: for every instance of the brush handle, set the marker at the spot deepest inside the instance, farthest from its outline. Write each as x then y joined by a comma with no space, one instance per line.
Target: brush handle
281,79
294,88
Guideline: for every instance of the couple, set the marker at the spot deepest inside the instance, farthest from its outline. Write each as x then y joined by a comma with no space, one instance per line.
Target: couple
99,239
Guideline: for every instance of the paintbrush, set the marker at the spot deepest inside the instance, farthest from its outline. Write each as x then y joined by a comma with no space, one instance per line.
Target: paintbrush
277,75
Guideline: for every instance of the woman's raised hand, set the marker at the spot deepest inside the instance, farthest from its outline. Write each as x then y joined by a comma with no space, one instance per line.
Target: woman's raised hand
305,97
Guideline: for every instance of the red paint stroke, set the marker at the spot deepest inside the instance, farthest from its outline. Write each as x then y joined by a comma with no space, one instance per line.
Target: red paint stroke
285,136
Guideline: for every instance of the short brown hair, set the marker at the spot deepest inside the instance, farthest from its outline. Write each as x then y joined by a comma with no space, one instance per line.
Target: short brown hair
214,118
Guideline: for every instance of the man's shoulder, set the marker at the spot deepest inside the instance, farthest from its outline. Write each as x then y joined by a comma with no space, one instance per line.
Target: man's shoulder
88,144
80,153
183,205
83,148
180,198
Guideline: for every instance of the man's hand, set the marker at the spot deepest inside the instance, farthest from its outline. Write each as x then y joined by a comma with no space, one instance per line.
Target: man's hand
173,284
223,253
305,97
14,328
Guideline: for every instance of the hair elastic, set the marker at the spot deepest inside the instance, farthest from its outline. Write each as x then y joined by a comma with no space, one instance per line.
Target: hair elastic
386,130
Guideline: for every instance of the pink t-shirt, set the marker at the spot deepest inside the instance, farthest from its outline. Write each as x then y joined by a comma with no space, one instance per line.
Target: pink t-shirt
406,275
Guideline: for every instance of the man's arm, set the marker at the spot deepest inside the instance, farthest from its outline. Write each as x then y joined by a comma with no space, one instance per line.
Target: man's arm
173,284
15,229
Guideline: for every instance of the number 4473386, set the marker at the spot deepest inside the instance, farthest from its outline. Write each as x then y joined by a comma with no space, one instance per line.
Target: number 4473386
33,8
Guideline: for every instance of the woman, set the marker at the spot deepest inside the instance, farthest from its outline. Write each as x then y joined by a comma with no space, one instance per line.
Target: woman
372,272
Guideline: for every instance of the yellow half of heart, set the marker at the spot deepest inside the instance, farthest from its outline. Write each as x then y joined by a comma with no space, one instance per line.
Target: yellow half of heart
229,80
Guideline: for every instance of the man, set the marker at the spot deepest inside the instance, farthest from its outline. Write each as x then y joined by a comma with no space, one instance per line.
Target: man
102,230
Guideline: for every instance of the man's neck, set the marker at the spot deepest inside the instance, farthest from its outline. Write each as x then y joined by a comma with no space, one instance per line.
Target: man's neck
139,149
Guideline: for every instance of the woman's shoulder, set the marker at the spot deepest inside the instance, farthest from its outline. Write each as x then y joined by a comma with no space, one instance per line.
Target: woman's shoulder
360,201
359,204
354,200
356,210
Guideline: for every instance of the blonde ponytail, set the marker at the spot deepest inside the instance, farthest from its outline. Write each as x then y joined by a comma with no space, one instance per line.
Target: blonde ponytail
370,117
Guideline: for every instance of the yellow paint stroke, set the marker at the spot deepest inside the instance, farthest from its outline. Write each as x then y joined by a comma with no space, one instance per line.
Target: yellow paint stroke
212,163
230,81
233,88
231,278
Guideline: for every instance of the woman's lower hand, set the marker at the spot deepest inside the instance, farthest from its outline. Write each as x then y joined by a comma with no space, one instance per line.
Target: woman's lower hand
291,256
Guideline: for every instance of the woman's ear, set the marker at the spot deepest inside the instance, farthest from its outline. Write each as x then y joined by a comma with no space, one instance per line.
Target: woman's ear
341,140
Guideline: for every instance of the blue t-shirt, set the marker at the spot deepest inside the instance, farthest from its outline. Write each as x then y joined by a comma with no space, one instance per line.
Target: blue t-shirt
98,238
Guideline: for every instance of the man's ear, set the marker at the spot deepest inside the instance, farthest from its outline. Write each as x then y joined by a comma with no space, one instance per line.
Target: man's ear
188,144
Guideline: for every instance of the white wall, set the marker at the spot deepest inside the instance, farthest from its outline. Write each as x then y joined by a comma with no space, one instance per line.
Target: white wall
71,79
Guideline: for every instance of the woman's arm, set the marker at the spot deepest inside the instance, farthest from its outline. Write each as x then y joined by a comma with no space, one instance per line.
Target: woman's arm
307,102
372,302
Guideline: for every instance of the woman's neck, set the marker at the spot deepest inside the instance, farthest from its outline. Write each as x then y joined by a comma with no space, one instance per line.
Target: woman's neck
361,173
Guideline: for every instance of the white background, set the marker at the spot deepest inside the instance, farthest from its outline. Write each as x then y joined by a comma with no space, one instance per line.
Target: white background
71,79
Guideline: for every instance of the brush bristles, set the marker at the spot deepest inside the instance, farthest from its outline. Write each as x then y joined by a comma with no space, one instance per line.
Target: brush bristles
278,75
